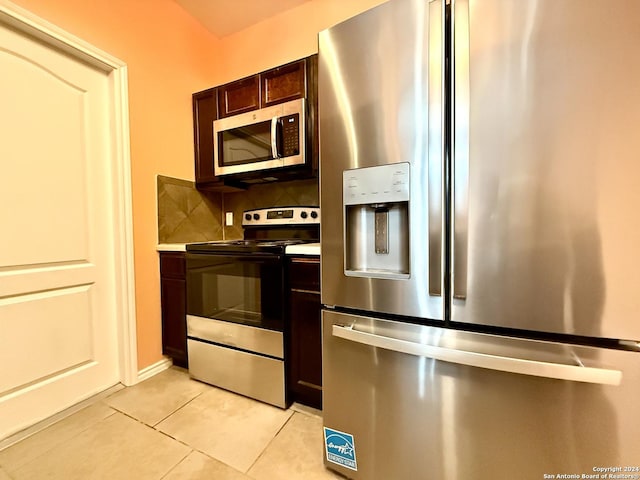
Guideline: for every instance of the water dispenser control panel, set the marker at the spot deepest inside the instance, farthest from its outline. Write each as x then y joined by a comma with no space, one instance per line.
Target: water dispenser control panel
382,184
376,221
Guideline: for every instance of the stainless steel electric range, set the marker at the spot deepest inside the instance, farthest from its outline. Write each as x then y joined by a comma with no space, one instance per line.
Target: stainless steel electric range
236,299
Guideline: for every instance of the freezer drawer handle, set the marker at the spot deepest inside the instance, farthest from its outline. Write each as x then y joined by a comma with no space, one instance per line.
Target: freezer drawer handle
521,366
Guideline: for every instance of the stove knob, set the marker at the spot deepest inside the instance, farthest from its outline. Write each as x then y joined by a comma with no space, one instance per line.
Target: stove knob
247,216
256,216
303,214
314,214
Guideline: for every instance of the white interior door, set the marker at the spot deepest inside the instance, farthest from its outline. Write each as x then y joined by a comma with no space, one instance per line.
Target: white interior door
58,282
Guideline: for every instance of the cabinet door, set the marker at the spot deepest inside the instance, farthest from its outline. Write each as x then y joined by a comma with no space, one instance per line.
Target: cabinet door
174,329
305,359
239,97
205,111
306,364
284,83
173,300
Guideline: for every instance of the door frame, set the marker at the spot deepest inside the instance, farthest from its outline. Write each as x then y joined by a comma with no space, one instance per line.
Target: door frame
30,24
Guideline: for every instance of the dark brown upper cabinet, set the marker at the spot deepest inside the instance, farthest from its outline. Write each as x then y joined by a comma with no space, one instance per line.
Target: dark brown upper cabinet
205,111
281,84
284,83
271,87
239,97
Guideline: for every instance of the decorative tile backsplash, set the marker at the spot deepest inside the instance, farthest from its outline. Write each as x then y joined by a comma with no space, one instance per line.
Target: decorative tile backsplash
281,194
186,214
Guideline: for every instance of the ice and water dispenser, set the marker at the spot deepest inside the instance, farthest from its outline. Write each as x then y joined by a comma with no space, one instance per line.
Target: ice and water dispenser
376,216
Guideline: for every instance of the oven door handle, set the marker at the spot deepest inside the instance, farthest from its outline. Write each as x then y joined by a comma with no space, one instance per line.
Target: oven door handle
248,257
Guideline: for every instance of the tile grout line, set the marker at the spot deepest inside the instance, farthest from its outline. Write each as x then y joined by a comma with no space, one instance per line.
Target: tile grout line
174,438
175,411
208,455
131,417
164,434
194,449
269,443
174,467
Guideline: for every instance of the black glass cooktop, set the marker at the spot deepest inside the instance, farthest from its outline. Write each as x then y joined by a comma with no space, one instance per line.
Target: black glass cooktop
244,246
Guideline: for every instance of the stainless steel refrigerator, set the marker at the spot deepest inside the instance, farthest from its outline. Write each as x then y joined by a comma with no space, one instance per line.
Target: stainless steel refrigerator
480,195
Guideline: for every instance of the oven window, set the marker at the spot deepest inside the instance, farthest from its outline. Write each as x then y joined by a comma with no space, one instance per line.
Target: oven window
247,144
239,289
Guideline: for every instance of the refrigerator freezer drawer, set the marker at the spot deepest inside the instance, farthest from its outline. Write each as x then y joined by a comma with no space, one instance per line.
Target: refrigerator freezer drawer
415,416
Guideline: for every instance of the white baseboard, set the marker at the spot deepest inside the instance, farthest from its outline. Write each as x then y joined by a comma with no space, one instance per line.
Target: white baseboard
154,369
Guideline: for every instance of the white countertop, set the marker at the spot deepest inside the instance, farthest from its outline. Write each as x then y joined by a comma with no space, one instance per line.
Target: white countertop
171,247
303,249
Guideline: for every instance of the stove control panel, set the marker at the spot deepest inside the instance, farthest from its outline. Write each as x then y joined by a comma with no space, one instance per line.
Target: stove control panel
282,216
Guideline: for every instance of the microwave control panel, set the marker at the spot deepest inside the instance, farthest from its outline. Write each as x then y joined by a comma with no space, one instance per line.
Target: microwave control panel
290,135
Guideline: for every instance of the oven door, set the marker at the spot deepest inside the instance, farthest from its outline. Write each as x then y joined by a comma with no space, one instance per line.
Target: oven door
247,289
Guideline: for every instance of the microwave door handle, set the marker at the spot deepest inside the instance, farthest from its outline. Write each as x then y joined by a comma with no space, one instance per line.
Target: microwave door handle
274,137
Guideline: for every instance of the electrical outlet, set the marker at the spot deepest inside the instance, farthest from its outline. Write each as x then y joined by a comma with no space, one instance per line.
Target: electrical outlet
228,219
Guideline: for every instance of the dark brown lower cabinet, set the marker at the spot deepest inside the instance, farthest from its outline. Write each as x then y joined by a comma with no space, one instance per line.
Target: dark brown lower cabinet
305,339
173,296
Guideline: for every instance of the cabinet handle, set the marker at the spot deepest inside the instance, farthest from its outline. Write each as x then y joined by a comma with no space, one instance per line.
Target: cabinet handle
305,260
301,290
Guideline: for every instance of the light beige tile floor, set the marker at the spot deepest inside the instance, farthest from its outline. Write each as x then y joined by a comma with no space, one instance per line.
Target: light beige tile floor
217,422
173,428
4,475
56,434
155,399
295,453
198,466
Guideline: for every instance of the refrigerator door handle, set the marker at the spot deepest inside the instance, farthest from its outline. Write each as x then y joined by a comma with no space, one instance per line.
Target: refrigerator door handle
436,121
575,373
460,146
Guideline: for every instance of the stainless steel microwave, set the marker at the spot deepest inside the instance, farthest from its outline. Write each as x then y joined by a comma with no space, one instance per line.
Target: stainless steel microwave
272,137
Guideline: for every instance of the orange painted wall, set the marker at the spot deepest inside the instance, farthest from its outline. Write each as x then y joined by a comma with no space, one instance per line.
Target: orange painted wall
285,37
169,56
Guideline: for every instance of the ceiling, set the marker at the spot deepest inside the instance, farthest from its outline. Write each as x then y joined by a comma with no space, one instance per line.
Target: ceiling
224,17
